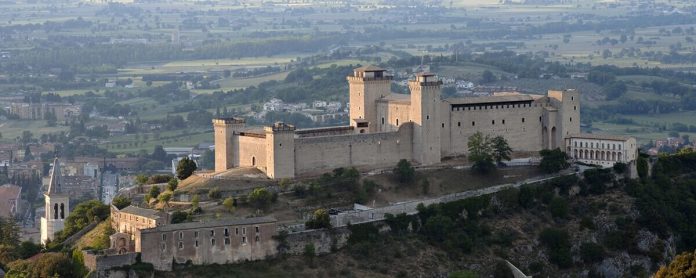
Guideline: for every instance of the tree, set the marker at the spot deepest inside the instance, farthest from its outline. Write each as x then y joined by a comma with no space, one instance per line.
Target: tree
47,265
229,204
84,214
591,252
558,207
165,198
172,184
154,192
50,118
553,161
480,153
121,202
260,198
683,265
488,77
320,220
185,168
501,149
404,171
159,154
558,244
195,201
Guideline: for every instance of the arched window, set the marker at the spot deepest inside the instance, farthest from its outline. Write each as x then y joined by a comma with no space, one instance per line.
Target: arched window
55,211
397,122
253,161
62,211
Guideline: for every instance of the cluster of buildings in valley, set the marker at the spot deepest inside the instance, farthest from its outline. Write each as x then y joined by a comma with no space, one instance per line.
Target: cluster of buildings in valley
40,111
422,127
319,111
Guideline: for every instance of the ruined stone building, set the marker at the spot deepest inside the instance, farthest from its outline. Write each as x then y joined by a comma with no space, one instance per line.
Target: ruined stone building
385,127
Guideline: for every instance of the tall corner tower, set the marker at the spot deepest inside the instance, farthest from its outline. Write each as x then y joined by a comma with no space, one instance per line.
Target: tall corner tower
224,142
425,101
280,151
367,85
57,205
568,121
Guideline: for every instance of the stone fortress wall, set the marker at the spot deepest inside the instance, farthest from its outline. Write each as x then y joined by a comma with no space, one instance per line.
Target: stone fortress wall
380,149
386,127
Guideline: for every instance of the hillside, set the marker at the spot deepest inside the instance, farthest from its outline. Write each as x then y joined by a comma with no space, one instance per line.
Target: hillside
560,228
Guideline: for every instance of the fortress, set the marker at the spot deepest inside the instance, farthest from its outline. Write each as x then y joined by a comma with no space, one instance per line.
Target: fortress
386,127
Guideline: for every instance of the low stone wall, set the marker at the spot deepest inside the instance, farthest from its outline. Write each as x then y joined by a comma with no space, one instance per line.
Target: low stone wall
100,262
324,240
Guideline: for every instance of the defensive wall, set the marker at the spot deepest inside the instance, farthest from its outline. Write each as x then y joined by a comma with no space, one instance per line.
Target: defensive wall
379,149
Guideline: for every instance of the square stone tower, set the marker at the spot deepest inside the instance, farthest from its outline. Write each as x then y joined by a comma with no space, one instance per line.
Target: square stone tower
280,151
567,121
367,85
425,101
225,154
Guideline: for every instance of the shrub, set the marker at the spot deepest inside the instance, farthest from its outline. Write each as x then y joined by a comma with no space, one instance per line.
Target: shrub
214,193
172,184
179,216
121,202
320,219
620,167
553,161
260,198
591,252
557,243
558,207
185,168
404,171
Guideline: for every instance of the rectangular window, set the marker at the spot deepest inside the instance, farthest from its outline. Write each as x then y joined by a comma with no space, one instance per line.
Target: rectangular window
236,231
523,120
243,240
244,230
164,237
503,121
196,243
459,123
212,232
473,123
227,233
227,241
257,229
181,245
195,234
163,246
493,122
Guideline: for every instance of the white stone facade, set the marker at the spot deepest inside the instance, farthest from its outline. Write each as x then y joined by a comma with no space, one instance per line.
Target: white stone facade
601,149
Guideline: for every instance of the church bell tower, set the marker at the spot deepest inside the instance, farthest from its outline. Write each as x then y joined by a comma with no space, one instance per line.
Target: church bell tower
57,205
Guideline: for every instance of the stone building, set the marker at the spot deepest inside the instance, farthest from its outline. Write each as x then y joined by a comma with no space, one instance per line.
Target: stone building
131,219
38,111
386,127
57,205
10,201
220,241
601,149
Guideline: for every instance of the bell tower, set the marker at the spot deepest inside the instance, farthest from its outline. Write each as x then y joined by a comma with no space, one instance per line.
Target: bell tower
57,205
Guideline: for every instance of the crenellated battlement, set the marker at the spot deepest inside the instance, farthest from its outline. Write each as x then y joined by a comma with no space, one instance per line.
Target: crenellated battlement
228,121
